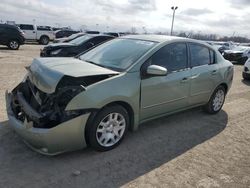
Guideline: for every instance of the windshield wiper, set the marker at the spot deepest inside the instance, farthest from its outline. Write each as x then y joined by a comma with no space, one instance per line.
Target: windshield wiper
104,66
97,64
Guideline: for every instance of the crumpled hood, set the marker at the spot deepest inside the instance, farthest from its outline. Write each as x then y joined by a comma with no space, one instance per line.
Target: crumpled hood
45,73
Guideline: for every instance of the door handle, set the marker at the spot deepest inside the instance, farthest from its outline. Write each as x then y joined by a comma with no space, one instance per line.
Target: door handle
214,72
184,80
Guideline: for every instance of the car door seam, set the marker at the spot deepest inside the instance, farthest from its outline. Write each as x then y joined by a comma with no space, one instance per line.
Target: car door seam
165,102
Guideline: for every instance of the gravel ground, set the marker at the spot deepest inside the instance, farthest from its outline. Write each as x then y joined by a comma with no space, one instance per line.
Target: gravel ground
188,149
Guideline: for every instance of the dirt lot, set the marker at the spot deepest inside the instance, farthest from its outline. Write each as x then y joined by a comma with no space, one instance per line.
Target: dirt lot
189,149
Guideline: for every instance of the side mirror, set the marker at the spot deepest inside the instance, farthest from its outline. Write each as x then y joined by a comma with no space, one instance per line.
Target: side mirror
156,70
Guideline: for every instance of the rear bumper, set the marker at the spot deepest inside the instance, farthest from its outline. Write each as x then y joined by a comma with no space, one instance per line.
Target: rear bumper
43,53
21,40
246,75
67,136
236,58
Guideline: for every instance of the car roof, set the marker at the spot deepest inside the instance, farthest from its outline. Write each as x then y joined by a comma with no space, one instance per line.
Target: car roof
8,26
165,38
159,38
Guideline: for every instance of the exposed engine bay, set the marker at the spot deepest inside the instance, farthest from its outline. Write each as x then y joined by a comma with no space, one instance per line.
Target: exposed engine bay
48,110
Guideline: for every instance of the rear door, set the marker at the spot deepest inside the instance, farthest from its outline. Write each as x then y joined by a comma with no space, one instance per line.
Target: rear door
29,30
163,94
204,73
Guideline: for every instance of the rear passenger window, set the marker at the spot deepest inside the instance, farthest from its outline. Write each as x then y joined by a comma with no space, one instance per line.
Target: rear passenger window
26,27
200,55
44,29
173,57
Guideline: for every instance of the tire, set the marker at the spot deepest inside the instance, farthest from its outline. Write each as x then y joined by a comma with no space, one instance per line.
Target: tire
13,44
216,101
44,40
107,128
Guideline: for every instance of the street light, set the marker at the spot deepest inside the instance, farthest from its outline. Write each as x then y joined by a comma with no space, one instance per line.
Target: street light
174,9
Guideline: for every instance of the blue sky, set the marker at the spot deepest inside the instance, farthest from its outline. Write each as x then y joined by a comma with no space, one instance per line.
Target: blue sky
223,17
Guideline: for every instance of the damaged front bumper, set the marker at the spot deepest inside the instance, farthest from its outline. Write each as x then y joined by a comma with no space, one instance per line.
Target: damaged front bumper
64,137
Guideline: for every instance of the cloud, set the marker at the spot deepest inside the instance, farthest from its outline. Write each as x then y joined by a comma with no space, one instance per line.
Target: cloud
239,3
123,14
130,7
196,12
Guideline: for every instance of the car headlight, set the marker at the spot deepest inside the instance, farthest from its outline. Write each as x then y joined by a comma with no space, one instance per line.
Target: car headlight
55,52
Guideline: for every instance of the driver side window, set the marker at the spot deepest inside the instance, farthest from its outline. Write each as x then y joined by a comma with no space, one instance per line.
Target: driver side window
172,56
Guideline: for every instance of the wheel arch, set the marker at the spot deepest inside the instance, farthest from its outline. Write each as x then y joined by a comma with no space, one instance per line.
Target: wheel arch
44,36
224,85
16,39
124,104
128,108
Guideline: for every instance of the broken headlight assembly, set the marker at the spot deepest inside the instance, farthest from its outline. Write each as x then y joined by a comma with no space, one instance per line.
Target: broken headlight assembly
44,110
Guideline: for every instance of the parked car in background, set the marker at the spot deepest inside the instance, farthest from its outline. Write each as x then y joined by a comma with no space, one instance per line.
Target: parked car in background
70,38
74,47
92,32
11,36
60,28
245,44
239,54
40,34
65,33
64,104
226,45
113,34
246,70
222,46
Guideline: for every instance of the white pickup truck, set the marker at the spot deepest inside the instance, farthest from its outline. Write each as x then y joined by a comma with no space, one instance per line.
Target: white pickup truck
37,33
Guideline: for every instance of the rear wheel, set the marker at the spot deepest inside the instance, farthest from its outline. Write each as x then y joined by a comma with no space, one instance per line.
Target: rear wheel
13,44
44,40
108,128
216,101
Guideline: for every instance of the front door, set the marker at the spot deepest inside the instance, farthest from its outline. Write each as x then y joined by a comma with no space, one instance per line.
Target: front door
163,94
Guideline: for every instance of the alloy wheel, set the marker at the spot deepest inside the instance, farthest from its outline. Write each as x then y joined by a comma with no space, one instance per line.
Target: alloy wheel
111,129
218,100
14,44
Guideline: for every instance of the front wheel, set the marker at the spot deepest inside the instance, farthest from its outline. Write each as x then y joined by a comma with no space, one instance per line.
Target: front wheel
216,101
13,45
108,128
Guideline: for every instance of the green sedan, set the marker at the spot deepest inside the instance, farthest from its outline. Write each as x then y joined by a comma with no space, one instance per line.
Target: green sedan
66,104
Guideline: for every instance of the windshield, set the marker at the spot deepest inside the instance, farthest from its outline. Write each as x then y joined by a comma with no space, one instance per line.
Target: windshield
80,40
118,54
